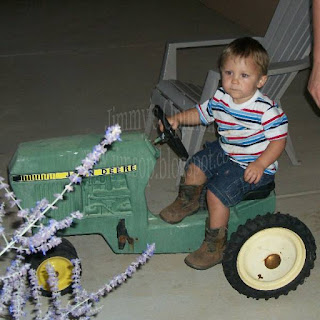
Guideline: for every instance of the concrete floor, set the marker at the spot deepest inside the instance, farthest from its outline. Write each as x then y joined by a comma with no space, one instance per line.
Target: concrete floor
76,67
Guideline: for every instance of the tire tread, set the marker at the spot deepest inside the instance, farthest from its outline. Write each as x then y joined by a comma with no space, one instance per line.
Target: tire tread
247,230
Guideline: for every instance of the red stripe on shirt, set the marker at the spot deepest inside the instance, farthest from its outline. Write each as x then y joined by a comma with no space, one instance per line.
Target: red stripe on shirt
272,119
201,111
245,137
246,154
278,137
225,122
219,100
253,111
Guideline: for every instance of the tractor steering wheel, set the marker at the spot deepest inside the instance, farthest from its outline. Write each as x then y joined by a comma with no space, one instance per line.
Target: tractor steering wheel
169,136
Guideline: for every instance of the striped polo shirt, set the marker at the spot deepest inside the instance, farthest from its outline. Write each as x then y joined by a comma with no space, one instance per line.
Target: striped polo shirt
245,129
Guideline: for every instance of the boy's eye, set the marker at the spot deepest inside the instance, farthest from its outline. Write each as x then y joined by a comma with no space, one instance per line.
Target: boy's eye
228,73
244,75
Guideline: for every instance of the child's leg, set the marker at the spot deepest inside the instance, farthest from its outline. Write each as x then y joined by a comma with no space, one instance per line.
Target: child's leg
194,176
211,251
218,212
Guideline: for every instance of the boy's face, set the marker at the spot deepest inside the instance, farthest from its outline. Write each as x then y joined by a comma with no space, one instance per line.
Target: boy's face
241,77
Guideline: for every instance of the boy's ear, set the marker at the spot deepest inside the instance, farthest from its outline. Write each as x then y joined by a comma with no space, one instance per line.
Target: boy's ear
262,81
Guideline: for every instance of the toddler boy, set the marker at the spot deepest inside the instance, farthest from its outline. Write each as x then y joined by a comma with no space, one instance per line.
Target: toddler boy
252,130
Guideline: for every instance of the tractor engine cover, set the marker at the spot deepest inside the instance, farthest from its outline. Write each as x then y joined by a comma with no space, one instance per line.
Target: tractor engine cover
114,190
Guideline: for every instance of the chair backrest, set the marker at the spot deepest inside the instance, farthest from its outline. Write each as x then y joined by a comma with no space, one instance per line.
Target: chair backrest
288,38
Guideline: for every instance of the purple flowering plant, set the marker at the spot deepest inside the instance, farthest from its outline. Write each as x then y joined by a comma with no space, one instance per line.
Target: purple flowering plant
19,284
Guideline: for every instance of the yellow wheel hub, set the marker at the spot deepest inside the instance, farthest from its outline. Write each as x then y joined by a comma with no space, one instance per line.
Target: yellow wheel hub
63,268
271,259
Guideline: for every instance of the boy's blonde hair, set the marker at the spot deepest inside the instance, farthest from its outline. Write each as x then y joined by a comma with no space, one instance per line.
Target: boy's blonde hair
244,48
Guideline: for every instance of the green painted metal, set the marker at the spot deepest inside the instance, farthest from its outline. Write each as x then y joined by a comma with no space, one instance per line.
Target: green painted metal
116,191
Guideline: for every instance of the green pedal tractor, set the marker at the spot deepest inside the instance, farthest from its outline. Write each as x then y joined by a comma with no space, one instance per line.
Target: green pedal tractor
268,254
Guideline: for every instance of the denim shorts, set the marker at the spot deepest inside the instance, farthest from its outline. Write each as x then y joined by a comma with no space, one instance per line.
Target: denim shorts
225,177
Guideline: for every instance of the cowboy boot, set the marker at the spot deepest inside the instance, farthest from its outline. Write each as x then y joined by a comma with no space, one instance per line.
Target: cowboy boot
185,204
211,251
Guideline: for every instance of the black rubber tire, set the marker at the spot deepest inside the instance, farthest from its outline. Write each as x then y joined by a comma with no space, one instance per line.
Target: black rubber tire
271,223
65,250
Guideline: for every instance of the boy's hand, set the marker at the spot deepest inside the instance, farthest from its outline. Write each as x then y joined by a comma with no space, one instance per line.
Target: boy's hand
255,169
253,172
189,117
174,122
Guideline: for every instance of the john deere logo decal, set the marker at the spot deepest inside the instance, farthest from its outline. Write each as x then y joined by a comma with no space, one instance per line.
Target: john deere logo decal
66,174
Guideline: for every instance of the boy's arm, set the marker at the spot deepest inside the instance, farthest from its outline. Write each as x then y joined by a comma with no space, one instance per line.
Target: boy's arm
254,171
189,117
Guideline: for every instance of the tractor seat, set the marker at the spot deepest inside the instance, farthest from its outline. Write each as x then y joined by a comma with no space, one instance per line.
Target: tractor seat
261,192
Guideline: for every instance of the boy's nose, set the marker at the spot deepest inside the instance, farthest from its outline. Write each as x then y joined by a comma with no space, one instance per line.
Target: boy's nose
234,79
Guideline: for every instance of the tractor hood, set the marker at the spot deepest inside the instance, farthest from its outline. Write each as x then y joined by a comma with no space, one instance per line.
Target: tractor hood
61,155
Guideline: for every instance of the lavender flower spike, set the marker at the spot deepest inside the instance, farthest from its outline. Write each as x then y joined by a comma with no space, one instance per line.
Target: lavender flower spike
3,185
2,210
83,308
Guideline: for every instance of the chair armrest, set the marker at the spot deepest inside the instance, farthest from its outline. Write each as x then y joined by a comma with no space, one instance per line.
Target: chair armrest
277,68
169,63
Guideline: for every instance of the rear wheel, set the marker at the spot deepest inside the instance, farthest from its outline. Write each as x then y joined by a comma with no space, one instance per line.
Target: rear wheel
269,256
60,258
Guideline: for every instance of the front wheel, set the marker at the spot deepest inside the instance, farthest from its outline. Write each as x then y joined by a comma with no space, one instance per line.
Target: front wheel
60,258
269,256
